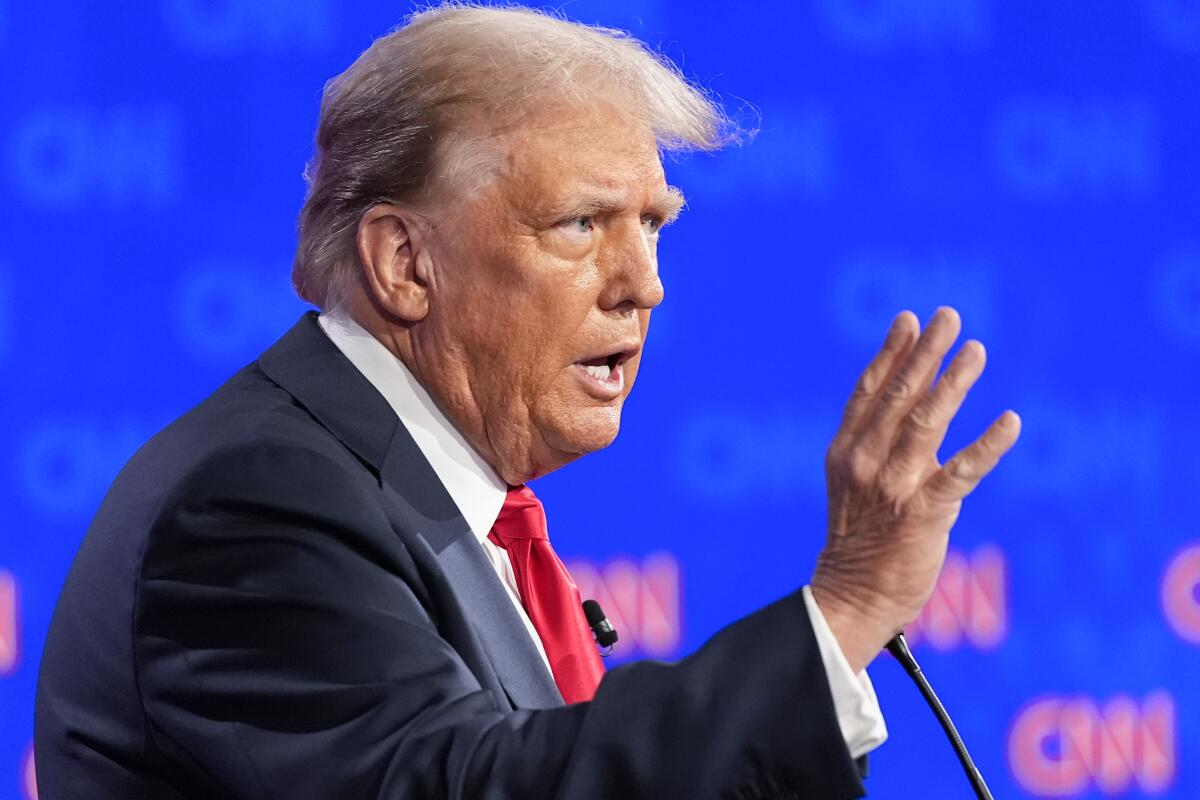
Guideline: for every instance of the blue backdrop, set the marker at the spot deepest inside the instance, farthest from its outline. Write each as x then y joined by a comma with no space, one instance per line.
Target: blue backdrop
1034,164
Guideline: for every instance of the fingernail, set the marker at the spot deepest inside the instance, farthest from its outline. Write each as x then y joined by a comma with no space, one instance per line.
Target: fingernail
945,312
898,322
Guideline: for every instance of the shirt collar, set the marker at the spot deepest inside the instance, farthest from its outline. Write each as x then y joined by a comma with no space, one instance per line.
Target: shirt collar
469,480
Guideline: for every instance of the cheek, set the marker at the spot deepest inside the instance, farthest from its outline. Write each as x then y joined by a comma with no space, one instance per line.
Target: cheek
557,313
519,314
490,306
520,338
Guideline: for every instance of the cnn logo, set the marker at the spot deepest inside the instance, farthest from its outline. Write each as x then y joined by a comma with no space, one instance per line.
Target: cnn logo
642,601
1181,593
29,776
968,604
1062,747
9,646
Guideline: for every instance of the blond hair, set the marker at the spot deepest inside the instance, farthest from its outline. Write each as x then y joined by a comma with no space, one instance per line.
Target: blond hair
410,113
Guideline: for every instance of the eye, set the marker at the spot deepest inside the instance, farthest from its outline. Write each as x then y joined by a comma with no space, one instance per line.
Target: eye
651,224
580,225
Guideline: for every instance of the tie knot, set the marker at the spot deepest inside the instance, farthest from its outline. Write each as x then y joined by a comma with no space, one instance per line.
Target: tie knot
521,517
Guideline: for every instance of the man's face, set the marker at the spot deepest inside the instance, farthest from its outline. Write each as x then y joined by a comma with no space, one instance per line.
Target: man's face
542,288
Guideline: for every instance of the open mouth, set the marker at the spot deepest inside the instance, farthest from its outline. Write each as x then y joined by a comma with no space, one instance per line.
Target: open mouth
605,375
603,367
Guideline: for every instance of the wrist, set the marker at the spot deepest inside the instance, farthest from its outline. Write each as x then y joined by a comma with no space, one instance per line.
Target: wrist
858,632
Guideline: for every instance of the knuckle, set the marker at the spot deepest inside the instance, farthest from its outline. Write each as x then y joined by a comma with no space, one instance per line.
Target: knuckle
952,379
992,442
924,418
983,453
900,389
860,467
962,469
867,385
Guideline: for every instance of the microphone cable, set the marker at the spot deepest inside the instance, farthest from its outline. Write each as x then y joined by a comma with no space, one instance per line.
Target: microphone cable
898,647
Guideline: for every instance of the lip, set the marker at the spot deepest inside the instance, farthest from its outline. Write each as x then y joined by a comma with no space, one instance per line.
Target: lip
601,389
612,387
622,350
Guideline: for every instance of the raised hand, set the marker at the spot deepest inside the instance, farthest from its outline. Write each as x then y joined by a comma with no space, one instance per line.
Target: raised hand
891,504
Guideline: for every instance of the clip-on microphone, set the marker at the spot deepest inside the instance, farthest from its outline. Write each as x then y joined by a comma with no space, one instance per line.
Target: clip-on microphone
606,634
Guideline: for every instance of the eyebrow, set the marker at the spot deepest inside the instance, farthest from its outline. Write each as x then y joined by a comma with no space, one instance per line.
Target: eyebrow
670,204
667,205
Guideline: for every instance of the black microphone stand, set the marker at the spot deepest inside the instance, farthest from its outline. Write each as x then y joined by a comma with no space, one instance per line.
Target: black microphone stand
898,647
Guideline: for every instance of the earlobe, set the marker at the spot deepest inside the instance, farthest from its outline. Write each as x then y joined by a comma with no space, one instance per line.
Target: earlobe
394,266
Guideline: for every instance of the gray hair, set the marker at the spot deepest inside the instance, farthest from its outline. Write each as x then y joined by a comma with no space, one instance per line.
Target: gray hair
411,113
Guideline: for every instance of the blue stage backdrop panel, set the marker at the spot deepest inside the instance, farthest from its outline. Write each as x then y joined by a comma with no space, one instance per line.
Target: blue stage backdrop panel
1034,164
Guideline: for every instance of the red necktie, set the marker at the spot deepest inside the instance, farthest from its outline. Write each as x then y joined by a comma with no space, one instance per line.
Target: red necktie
549,595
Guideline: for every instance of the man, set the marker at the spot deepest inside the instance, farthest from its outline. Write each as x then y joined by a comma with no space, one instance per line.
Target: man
330,580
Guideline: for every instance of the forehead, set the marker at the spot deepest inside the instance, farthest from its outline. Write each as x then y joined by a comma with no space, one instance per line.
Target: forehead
567,149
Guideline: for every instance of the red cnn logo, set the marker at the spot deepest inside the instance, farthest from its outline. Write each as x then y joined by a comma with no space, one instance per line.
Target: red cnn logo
969,602
641,601
1181,593
9,647
1061,747
29,777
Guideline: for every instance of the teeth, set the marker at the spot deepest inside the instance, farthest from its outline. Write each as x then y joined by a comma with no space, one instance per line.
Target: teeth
601,372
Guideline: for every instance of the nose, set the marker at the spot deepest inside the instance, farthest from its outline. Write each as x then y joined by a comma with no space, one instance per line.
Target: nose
630,269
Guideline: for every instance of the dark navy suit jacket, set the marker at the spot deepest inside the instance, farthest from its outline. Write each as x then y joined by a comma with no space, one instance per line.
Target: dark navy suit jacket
279,600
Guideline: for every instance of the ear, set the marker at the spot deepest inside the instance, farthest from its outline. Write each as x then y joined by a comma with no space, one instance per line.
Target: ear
395,266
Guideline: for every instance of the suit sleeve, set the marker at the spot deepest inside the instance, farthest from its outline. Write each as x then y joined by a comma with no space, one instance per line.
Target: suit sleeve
285,649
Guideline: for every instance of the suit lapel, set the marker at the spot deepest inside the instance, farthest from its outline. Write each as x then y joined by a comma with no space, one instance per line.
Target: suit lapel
310,367
484,599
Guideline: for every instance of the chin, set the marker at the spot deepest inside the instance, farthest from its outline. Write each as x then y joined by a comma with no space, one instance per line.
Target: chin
585,431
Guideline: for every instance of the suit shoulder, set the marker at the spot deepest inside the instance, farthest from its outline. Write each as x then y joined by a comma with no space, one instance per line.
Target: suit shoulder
261,480
249,438
273,467
249,412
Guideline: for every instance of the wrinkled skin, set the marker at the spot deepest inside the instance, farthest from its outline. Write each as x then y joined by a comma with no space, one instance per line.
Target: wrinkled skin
493,298
891,504
552,262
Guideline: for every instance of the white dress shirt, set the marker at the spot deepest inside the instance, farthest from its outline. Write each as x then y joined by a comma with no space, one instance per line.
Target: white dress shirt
479,494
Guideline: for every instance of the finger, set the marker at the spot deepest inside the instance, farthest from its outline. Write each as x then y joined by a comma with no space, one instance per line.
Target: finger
896,346
961,474
924,429
910,382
